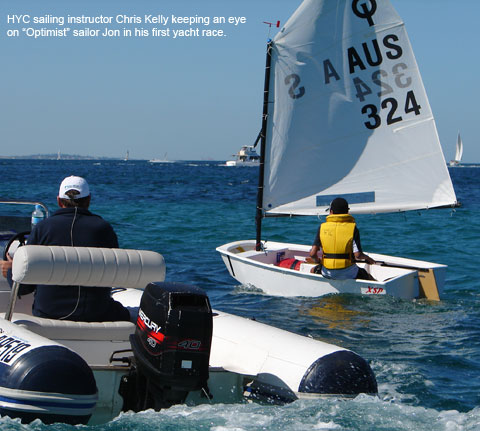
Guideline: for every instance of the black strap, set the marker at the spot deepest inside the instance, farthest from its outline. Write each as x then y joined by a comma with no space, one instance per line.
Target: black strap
294,264
336,256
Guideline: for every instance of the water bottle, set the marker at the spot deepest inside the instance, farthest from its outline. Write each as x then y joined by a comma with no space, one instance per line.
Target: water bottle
37,215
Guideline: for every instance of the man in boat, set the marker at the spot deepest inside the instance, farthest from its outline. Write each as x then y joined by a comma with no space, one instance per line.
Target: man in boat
338,241
74,225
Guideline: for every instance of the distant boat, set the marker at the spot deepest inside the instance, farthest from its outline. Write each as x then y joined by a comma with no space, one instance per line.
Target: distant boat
58,155
164,160
458,152
127,156
247,156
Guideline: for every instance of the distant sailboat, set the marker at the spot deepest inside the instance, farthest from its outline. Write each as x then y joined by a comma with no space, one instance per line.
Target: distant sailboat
458,152
58,155
127,156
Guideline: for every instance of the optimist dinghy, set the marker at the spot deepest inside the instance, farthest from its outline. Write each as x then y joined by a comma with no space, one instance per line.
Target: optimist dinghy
345,113
179,350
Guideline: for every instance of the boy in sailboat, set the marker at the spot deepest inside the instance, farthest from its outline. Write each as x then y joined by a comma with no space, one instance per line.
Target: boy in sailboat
338,242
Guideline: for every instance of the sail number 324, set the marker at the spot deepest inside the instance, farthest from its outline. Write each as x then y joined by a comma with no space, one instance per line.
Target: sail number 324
394,112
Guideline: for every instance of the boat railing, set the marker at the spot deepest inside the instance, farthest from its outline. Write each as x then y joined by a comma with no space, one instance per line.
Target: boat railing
17,202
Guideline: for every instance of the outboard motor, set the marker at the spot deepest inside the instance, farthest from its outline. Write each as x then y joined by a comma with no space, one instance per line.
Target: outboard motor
171,346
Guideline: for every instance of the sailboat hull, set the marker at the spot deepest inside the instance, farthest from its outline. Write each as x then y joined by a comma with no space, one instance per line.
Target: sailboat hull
398,277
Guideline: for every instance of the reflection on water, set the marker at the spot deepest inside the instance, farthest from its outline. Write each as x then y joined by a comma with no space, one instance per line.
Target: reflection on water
332,312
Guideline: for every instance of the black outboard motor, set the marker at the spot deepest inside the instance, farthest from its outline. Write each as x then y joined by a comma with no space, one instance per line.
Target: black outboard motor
171,346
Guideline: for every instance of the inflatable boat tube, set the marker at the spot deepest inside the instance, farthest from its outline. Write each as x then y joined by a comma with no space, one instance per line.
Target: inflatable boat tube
41,379
285,366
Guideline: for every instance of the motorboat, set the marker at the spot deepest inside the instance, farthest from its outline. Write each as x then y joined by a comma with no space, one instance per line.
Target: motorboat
246,156
164,160
177,349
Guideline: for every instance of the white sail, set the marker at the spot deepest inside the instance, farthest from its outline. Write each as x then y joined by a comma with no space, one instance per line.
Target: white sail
350,115
459,149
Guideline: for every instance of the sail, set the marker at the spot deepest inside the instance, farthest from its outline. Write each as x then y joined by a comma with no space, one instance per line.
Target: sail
349,116
459,149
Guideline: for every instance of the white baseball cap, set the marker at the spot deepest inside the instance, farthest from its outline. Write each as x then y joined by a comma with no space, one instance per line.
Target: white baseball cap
74,183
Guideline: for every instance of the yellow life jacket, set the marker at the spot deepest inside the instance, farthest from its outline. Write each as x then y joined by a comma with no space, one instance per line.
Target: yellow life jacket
336,236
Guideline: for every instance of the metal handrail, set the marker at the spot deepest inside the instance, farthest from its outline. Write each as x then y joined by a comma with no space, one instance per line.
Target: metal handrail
14,202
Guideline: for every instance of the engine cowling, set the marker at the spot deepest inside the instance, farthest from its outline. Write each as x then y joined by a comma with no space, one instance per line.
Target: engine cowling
171,344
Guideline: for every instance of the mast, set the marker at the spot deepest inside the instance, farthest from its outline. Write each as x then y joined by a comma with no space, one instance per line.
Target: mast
261,175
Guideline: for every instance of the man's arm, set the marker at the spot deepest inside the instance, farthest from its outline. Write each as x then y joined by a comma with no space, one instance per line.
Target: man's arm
6,265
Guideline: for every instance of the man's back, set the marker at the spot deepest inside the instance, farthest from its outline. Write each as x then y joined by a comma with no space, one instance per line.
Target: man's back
75,227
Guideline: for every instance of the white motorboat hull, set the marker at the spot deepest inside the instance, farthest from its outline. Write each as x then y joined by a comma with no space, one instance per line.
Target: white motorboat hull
236,163
258,269
247,359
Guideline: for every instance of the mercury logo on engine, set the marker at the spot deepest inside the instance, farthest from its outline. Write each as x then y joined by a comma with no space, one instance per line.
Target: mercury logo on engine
150,329
148,323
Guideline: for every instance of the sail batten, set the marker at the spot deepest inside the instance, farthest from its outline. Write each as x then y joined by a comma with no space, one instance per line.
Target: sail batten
349,115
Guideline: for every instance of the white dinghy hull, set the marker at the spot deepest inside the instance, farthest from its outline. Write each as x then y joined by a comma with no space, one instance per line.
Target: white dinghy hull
402,278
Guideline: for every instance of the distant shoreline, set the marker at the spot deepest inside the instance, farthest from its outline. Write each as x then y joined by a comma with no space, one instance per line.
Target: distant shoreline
78,157
62,157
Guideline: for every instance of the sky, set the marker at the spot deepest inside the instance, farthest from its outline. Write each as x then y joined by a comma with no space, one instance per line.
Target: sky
192,97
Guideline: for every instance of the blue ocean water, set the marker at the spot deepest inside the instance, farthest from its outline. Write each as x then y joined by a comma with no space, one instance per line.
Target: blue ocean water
426,356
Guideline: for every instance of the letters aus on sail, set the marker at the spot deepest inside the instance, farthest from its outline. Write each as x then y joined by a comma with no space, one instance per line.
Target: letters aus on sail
349,115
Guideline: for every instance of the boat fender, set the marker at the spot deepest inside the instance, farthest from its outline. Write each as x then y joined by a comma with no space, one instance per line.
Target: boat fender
41,379
342,373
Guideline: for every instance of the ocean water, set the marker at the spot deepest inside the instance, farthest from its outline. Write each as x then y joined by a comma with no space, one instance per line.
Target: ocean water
426,356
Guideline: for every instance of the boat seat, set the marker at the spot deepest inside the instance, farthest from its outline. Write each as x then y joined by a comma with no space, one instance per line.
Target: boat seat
83,266
70,330
87,266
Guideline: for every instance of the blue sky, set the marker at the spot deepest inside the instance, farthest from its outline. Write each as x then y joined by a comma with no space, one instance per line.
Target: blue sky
195,98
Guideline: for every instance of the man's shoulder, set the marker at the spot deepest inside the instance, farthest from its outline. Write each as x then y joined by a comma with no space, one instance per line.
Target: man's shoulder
85,217
93,215
98,220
